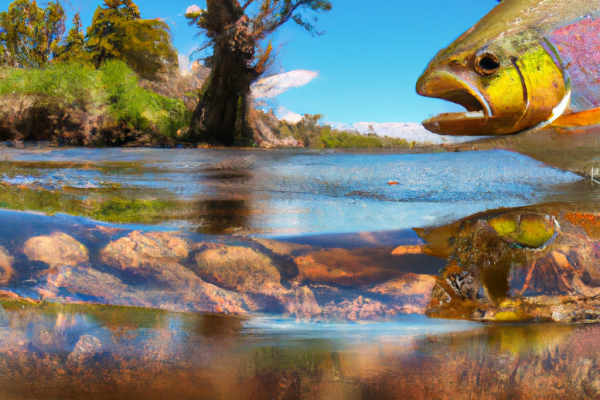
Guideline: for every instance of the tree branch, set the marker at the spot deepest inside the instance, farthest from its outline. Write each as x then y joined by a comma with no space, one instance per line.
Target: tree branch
248,2
283,16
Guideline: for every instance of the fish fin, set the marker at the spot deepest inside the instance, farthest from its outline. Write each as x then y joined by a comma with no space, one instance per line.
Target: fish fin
583,118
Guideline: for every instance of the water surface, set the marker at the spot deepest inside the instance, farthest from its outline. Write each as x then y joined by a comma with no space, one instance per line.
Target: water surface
274,193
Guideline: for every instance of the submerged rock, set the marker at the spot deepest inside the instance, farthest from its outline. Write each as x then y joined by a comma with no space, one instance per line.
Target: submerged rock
519,264
187,292
408,285
56,249
165,270
300,302
250,272
138,249
86,347
238,268
406,250
411,293
6,269
359,309
345,267
283,248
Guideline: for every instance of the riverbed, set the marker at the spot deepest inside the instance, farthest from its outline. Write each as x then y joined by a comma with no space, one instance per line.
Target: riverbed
58,352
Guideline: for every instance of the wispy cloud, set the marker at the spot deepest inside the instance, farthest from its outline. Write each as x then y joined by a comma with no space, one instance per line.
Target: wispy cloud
275,85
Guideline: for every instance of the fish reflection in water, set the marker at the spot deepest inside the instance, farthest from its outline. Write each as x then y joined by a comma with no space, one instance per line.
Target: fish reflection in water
219,217
87,352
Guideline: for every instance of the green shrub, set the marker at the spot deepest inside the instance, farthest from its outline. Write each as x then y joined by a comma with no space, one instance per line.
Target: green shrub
78,85
318,136
139,107
346,140
113,90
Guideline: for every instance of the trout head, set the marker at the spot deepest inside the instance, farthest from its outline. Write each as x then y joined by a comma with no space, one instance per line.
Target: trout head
508,81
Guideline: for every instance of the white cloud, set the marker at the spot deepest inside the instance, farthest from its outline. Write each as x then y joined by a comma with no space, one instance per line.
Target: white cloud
192,9
276,84
184,62
284,114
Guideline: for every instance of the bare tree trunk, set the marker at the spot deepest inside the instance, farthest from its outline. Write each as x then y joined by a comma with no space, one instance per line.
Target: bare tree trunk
225,101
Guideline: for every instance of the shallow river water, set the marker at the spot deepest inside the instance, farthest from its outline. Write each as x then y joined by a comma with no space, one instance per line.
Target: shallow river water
322,198
276,193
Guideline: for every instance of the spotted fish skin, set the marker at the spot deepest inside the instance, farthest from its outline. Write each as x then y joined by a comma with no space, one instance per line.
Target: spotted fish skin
526,64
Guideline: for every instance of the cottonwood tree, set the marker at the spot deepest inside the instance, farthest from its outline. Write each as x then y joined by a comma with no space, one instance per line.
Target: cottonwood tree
119,32
30,36
237,33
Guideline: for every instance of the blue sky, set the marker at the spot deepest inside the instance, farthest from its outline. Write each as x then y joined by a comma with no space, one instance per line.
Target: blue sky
369,58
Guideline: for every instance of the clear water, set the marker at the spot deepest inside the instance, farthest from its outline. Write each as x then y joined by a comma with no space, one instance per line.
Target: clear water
294,192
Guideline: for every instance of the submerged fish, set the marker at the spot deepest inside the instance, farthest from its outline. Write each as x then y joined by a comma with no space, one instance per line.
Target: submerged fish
526,64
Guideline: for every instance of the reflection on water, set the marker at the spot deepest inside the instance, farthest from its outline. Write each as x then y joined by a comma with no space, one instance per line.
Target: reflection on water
51,351
218,217
291,192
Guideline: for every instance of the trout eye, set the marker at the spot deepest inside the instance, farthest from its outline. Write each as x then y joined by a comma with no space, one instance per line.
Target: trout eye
487,64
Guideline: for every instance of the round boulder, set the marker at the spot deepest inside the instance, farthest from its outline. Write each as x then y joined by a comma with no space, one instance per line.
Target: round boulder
238,268
56,249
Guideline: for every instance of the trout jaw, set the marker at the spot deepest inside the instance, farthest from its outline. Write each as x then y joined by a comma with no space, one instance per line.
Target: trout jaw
447,86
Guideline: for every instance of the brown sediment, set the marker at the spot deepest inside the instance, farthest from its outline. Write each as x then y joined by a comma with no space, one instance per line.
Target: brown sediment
92,352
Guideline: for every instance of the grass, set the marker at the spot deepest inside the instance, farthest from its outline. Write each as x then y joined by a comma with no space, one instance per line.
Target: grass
113,90
332,139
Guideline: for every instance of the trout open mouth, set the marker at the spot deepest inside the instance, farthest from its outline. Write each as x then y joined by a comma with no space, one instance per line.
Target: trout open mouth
446,86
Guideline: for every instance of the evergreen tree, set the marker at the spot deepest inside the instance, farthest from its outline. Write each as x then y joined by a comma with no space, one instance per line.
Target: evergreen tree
73,48
240,56
118,32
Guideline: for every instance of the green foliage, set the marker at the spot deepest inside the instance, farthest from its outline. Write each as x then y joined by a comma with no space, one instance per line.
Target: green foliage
348,140
138,107
73,48
113,89
30,36
74,84
118,33
314,135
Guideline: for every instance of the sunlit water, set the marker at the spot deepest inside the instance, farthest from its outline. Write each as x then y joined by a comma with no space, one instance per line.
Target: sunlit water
293,192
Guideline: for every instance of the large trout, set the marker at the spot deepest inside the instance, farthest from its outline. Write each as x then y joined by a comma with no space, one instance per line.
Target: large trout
527,64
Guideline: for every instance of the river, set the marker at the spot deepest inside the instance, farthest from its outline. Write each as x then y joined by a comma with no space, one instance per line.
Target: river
332,199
